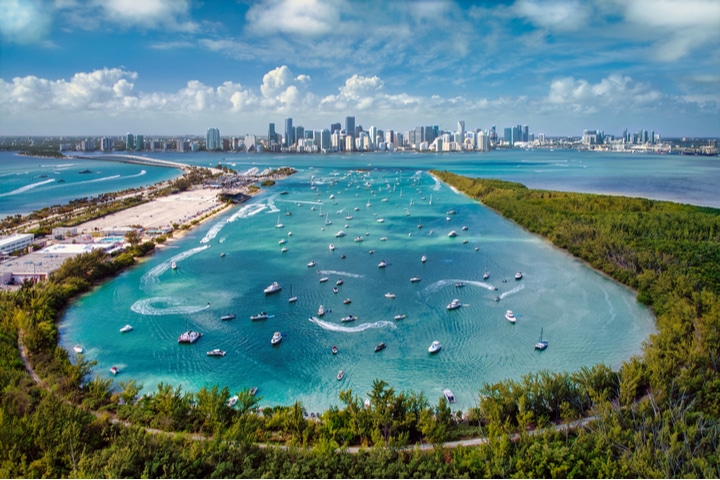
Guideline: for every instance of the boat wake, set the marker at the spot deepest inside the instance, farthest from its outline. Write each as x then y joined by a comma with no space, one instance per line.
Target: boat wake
155,272
96,180
440,284
27,187
333,327
271,206
214,230
514,290
165,306
344,274
247,211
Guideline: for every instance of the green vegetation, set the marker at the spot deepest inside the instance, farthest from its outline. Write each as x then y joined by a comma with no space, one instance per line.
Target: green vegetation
267,183
656,417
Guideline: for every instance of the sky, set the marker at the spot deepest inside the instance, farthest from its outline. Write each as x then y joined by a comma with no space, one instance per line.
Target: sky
178,67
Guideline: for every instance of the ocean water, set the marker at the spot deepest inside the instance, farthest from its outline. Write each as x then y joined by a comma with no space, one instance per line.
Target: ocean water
585,317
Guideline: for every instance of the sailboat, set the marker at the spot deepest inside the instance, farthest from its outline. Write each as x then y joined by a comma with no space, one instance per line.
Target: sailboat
541,344
431,199
293,298
278,224
327,222
188,336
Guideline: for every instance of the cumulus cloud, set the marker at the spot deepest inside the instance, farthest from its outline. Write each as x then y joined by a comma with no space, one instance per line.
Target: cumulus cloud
299,17
579,95
24,21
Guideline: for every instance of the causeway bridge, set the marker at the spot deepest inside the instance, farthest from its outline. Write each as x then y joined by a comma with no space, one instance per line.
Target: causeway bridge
154,162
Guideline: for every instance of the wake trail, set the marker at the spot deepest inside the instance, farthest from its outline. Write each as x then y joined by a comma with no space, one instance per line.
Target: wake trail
333,327
27,187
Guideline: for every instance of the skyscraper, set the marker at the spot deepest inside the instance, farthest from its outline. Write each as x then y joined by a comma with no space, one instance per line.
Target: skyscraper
212,140
461,129
335,127
129,141
350,126
272,136
289,134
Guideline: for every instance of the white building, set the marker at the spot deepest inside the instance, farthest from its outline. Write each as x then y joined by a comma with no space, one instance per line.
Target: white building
212,140
15,242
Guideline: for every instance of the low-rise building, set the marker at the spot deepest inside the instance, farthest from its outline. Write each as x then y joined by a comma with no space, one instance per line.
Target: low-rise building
16,242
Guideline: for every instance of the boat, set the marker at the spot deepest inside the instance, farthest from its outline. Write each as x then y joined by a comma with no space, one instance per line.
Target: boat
380,346
452,234
260,316
222,254
339,282
327,221
510,316
78,349
324,279
486,275
348,217
347,301
340,234
228,316
349,318
311,263
518,276
541,344
382,264
282,241
216,352
114,370
233,400
423,259
340,375
389,295
359,238
497,298
272,288
334,350
276,338
380,220
278,224
126,328
459,284
173,265
383,239
331,247
450,212
335,290
188,336
400,316
464,228
449,395
292,298
414,279
321,311
252,391
85,171
283,250
284,192
435,347
454,305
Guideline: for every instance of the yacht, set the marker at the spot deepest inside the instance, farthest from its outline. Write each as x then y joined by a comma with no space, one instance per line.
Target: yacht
324,279
423,259
126,328
335,290
189,336
233,400
518,276
276,338
227,317
334,350
340,234
435,347
173,265
389,295
357,209
348,217
450,212
282,241
380,220
455,304
340,375
541,344
486,275
510,316
321,311
78,349
311,263
464,228
293,298
400,316
260,316
114,370
359,238
278,224
449,395
380,346
459,284
349,318
331,247
272,288
339,282
383,239
382,264
216,352
452,234
283,249
347,301
414,279
222,254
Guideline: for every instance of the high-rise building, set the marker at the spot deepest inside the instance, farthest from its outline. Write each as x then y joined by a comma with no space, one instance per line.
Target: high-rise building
139,142
350,126
212,140
129,141
298,133
508,136
106,144
272,136
461,129
525,133
289,134
335,127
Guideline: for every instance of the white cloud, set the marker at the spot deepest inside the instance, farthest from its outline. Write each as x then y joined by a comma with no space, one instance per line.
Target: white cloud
615,91
299,17
554,15
24,21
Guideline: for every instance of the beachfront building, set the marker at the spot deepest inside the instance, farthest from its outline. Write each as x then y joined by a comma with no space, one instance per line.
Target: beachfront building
16,242
212,140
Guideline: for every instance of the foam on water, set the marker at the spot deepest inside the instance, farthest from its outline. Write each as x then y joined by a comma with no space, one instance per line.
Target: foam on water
247,211
165,306
341,273
514,290
158,270
334,327
27,187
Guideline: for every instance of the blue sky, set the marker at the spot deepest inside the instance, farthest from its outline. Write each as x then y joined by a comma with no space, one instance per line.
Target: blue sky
170,67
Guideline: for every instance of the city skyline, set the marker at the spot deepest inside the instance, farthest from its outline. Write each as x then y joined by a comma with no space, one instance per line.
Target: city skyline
172,67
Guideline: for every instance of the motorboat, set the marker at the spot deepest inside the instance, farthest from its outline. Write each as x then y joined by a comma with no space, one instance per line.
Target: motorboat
216,352
486,275
400,316
349,318
464,242
518,276
340,375
497,298
252,391
272,288
173,265
282,241
324,279
321,311
449,395
380,220
454,305
348,217
340,234
359,238
389,295
343,256
382,264
260,316
423,259
459,284
541,344
283,249
452,234
189,336
435,347
331,247
335,290
293,298
510,316
347,301
227,317
383,239
464,228
222,254
311,263
78,349
357,209
371,252
339,282
334,350
380,346
114,370
414,279
450,212
276,338
233,400
126,328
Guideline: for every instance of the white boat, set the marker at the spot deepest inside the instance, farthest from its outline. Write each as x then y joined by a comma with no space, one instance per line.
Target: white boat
126,328
282,241
382,264
173,265
349,318
334,350
292,298
252,391
464,227
541,344
114,370
380,220
359,238
486,275
259,316
423,259
510,316
340,375
348,217
452,234
383,239
450,212
216,352
435,347
272,288
324,279
331,247
222,254
449,395
357,209
233,400
78,349
276,338
321,311
278,224
339,282
414,279
455,304
335,290
389,295
189,336
311,263
400,316
459,284
347,301
518,276
228,316
340,234
283,250
327,221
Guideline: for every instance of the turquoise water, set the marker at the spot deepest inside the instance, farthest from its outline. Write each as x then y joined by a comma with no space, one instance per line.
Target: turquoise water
585,317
